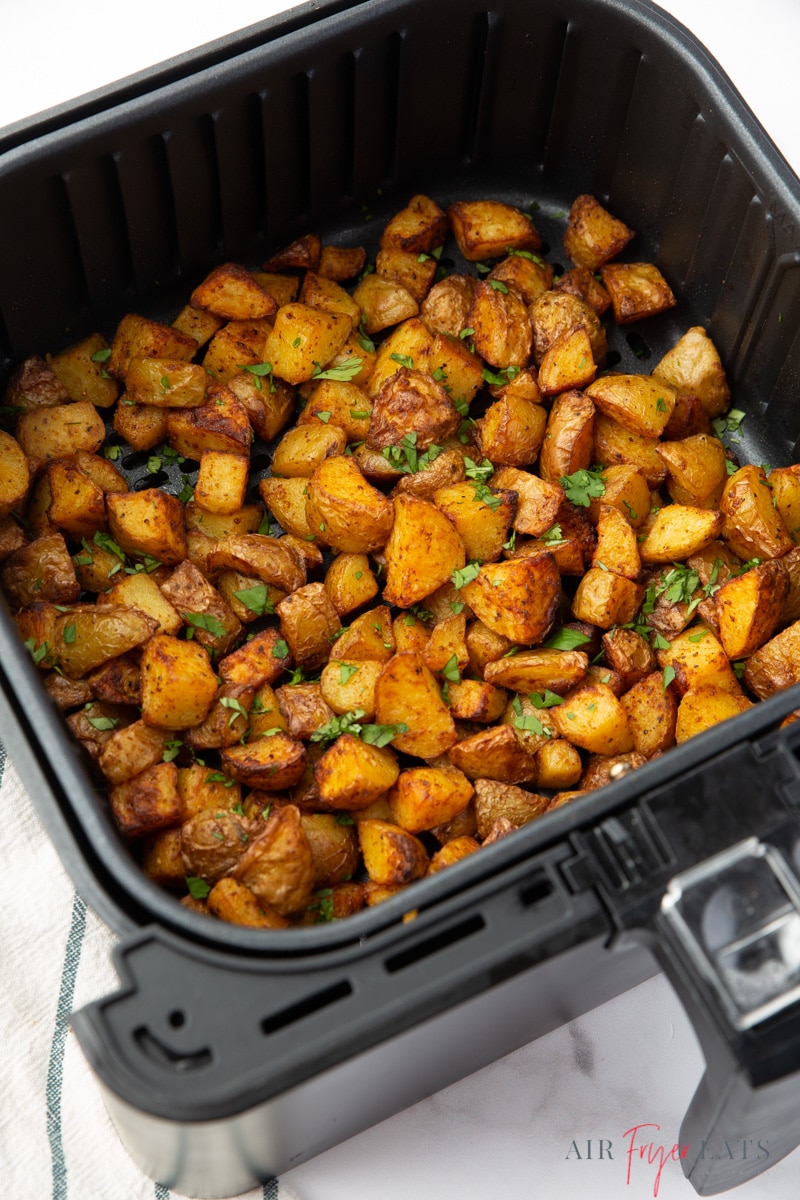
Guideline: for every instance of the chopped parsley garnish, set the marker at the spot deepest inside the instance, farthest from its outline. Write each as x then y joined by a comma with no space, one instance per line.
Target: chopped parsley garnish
350,722
546,699
256,599
406,458
260,371
347,671
198,888
343,373
582,486
464,575
502,377
206,621
280,649
567,639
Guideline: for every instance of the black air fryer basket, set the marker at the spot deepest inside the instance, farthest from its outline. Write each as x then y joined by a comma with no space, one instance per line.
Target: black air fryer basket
230,1054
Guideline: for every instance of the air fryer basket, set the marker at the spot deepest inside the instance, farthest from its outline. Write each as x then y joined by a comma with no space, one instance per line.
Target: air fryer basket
219,1055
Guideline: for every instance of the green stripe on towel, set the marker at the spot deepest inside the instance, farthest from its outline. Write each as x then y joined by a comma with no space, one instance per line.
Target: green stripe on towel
2,760
270,1190
55,1068
162,1192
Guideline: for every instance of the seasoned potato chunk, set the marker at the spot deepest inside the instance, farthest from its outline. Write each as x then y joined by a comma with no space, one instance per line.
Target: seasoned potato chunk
593,235
487,229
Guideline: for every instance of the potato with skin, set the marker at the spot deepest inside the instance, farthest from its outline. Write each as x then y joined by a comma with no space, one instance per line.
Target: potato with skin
488,228
407,693
81,372
88,635
278,865
146,803
776,664
304,339
593,718
593,235
637,290
555,314
693,365
698,659
352,774
651,711
614,444
350,582
407,346
58,431
201,606
753,527
517,598
445,308
132,749
678,531
452,852
213,842
605,599
538,502
502,328
567,364
178,683
369,636
138,336
304,447
221,423
41,570
334,847
421,553
568,441
345,511
418,228
637,402
483,527
347,686
148,523
426,796
272,560
14,474
511,431
495,753
231,901
391,855
696,465
383,303
495,799
271,764
476,700
414,272
410,401
558,765
309,623
539,670
750,607
704,706
617,549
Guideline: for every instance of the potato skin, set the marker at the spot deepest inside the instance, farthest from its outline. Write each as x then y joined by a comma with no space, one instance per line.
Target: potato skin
344,510
278,866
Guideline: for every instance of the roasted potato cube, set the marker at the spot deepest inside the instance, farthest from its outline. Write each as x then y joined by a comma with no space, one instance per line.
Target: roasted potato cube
286,500
411,403
538,502
341,262
335,402
89,635
567,363
58,431
302,448
161,858
704,706
344,510
482,522
476,700
785,484
614,444
350,582
418,228
304,340
14,475
219,423
445,308
593,718
197,324
637,290
539,670
302,254
617,549
213,842
165,383
141,425
629,654
309,623
696,465
391,855
555,314
626,488
132,749
347,686
81,371
271,764
407,694
511,431
605,599
274,561
221,481
489,228
568,441
383,303
459,369
230,291
501,327
412,270
776,664
651,710
148,802
369,636
581,282
408,345
637,402
77,504
422,551
528,274
452,852
750,607
698,659
693,365
326,294
178,683
278,866
496,754
238,348
558,765
229,900
678,531
593,235
139,337
34,384
495,799
518,598
148,523
352,774
753,526
426,796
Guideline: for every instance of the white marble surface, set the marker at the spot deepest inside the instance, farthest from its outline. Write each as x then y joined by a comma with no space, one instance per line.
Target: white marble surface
509,1129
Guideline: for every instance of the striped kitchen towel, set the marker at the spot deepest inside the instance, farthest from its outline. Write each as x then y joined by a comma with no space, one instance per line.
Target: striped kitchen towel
56,1139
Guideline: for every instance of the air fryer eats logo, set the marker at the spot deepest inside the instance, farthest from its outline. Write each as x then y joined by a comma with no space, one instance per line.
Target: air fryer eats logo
644,1153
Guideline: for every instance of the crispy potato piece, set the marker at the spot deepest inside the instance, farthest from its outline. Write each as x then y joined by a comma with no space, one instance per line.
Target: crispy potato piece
496,800
636,402
698,660
567,444
309,623
334,847
593,718
350,582
221,481
327,295
369,636
407,693
132,749
148,523
483,527
511,431
496,753
421,553
501,326
272,560
230,291
352,774
413,271
197,324
614,444
304,447
219,423
213,842
604,769
286,500
235,348
625,487
341,262
229,900
304,340
34,384
12,537
278,866
258,661
165,382
629,655
444,309
476,700
776,664
457,366
304,708
704,706
140,337
178,683
40,570
141,425
555,314
14,474
117,681
785,484
344,510
58,431
391,855
518,598
452,852
678,531
446,469
418,228
148,802
753,527
270,764
693,365
488,229
581,282
617,549
538,502
91,634
539,670
347,686
567,364
426,796
338,403
696,464
637,290
605,599
651,710
383,302
202,790
558,765
446,643
411,402
408,345
750,607
528,274
301,254
161,858
593,235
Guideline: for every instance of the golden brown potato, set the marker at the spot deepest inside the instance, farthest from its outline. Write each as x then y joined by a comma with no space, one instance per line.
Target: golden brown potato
696,465
567,364
750,607
539,670
481,518
636,402
165,383
58,431
213,842
558,765
445,308
501,327
407,694
614,444
221,422
488,228
304,340
678,531
605,599
309,623
148,802
413,271
496,754
391,855
231,901
14,474
301,254
704,706
178,682
581,282
651,710
418,228
278,865
527,273
568,441
617,549
593,718
423,797
41,570
753,526
637,290
344,510
148,523
302,448
518,598
511,431
693,365
383,302
411,403
273,560
495,799
593,235
421,553
353,774
776,664
555,314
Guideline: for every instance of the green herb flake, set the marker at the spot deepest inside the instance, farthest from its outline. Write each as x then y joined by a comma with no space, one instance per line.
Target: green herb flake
669,675
197,887
204,621
499,286
582,486
69,633
171,750
464,575
324,417
567,639
346,672
450,670
546,699
280,649
342,373
256,599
